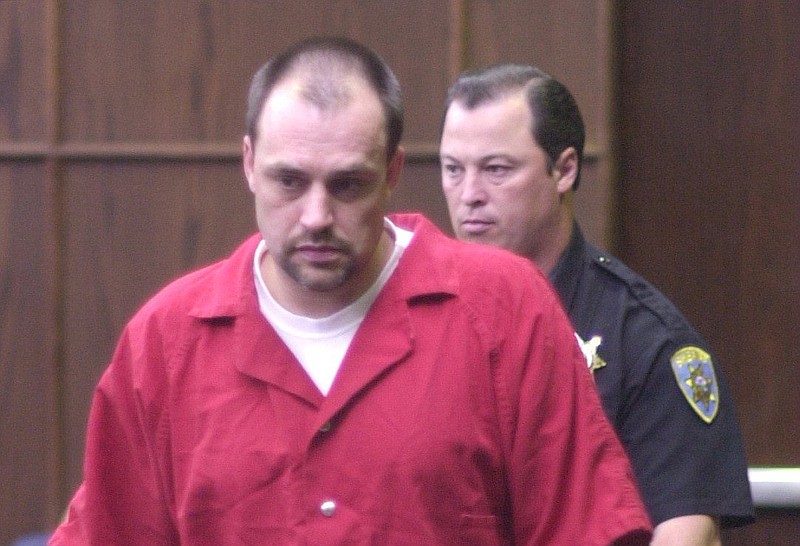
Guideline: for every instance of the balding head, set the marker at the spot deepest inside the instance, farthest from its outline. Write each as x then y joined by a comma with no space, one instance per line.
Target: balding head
325,72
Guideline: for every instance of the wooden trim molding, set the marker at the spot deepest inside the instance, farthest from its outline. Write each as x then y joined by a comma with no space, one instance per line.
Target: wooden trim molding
416,152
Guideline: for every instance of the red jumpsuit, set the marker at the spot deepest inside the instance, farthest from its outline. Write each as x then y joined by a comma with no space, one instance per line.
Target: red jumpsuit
463,413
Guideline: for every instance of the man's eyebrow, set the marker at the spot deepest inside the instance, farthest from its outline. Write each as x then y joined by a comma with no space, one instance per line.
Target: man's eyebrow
357,170
492,157
281,166
481,159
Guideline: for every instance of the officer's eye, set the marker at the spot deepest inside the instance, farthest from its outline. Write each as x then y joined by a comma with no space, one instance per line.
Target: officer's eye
498,169
452,169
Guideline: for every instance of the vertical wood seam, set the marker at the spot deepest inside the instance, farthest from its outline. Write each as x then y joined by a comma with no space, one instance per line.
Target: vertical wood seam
459,38
56,240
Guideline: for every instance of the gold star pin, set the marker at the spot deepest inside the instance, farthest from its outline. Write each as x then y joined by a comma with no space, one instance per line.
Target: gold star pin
589,350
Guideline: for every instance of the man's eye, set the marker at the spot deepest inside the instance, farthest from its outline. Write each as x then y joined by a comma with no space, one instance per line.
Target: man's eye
452,169
347,188
497,170
288,181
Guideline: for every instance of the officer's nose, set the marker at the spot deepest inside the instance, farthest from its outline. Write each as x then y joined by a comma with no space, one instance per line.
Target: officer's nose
473,191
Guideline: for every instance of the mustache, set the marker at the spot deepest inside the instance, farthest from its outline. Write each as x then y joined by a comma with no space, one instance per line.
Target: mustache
324,237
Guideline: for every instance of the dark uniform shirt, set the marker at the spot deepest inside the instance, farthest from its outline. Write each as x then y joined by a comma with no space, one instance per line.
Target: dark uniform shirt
660,387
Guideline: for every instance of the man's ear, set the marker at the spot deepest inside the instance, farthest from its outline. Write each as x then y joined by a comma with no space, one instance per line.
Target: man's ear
248,161
395,167
566,169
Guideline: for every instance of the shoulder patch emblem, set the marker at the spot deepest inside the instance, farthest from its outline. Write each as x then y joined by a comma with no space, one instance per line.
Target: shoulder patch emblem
694,372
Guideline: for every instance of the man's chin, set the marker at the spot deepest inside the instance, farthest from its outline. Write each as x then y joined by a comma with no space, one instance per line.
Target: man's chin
321,285
473,237
321,279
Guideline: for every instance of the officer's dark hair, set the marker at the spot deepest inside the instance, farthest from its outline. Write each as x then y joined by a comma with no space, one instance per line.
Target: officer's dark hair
557,123
322,61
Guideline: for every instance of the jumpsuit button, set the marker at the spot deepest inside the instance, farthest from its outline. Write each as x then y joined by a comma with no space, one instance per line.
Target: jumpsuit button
325,427
327,508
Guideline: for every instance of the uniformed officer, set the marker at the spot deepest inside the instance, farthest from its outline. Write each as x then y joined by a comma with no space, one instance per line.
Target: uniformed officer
511,153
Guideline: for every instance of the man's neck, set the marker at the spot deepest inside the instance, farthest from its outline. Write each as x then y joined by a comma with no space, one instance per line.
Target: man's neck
547,257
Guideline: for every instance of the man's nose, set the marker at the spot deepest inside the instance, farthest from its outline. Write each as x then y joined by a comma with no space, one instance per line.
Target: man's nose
317,211
473,190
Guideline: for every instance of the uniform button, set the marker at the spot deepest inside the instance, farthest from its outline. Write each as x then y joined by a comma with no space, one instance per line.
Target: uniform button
327,508
325,427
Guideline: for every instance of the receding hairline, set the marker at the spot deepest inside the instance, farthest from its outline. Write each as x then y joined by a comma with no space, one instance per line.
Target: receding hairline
494,83
496,97
327,71
326,79
329,92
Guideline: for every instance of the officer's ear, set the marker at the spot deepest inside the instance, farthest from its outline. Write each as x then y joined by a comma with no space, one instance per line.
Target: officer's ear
566,170
395,167
248,161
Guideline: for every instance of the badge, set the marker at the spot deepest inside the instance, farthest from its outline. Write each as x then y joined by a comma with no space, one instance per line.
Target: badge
695,374
589,350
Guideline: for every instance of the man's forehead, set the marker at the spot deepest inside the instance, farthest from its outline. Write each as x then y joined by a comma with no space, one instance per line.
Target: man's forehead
487,120
288,109
296,95
485,139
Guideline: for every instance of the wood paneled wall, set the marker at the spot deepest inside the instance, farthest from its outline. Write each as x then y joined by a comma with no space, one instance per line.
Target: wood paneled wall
120,131
709,173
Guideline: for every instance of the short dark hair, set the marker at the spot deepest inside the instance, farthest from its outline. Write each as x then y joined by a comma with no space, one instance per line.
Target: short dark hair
326,58
557,123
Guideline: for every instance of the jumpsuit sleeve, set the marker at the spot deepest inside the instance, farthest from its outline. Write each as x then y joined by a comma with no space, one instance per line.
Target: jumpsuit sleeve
121,500
570,481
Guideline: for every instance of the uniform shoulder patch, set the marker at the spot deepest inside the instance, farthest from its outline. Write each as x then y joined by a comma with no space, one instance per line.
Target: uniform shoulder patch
694,372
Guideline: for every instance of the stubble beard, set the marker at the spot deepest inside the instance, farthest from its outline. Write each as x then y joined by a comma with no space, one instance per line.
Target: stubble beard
318,277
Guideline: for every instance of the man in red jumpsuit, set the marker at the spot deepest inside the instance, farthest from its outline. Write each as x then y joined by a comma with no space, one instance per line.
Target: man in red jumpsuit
345,377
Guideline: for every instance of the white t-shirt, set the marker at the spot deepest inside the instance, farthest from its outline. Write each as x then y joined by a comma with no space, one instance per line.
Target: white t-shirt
321,343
